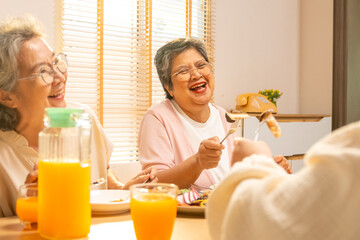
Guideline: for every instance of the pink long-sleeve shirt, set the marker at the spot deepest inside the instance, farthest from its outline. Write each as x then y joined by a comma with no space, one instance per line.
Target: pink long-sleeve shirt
163,142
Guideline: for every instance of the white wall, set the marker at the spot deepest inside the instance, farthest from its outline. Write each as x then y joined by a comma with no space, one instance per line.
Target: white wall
279,44
257,47
316,49
44,10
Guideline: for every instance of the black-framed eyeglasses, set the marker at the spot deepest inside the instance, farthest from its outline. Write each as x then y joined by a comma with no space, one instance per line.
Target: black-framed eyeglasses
203,68
47,71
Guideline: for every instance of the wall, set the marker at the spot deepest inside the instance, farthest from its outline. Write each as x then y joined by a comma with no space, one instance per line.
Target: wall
257,47
316,34
353,58
280,44
44,10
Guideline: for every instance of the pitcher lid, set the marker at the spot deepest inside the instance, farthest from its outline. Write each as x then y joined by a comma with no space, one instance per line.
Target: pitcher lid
62,117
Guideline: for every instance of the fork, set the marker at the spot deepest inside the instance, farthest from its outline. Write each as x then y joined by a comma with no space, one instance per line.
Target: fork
231,130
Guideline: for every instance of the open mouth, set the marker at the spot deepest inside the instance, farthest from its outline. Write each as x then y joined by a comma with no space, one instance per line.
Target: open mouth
198,87
57,94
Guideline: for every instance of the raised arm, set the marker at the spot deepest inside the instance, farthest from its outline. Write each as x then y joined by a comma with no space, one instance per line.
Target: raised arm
186,172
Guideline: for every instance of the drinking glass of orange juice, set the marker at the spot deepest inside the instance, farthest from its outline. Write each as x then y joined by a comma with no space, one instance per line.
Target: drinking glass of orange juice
27,205
153,210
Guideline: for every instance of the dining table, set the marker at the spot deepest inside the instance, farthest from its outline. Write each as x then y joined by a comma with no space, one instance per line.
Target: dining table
119,226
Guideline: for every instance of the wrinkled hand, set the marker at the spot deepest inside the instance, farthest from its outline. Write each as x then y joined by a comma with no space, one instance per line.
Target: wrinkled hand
209,153
283,162
244,148
149,173
32,177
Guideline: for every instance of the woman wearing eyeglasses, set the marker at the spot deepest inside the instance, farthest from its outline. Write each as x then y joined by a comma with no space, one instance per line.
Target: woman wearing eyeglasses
180,136
32,78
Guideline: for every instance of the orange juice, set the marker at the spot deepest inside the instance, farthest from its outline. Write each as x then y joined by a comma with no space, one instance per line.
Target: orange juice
64,199
153,215
27,209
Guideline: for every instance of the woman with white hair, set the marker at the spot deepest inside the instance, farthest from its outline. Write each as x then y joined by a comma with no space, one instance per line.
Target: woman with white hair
33,77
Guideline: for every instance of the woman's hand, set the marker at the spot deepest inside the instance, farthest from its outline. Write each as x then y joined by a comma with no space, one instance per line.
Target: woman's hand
32,177
149,173
244,148
283,162
209,153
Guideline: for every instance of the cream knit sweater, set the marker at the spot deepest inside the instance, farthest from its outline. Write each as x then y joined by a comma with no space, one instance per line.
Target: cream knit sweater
258,200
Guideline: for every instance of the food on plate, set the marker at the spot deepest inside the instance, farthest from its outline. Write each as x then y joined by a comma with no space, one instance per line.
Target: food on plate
201,201
99,181
191,197
117,200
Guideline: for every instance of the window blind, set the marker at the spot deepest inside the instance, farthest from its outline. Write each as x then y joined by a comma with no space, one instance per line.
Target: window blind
111,45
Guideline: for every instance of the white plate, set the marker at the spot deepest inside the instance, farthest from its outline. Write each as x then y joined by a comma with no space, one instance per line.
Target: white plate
102,201
191,209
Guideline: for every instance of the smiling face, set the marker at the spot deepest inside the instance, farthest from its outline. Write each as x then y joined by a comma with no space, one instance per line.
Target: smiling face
33,95
192,94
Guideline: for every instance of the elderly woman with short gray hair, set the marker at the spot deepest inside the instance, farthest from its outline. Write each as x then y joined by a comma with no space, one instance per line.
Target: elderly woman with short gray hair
180,136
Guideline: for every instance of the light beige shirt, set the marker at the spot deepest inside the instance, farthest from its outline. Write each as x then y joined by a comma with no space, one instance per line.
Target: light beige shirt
258,200
17,159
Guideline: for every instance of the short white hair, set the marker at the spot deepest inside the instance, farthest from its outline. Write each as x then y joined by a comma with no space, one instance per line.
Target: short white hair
13,33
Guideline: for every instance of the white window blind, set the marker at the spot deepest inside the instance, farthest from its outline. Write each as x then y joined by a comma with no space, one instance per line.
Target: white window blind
111,45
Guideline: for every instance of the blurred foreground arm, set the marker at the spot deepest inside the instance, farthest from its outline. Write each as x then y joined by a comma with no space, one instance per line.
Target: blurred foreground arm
258,200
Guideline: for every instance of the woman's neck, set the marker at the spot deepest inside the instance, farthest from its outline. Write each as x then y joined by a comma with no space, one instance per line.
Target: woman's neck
31,134
199,114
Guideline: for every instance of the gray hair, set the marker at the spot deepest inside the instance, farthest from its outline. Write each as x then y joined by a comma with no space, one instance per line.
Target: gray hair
13,33
166,54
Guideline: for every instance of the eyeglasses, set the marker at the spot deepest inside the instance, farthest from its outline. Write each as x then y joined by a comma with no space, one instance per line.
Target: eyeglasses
47,71
203,68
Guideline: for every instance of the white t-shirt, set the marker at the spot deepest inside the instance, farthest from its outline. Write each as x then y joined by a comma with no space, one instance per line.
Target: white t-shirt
198,132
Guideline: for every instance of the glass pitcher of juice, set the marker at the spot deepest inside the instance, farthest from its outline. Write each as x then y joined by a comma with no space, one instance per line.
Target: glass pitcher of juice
64,175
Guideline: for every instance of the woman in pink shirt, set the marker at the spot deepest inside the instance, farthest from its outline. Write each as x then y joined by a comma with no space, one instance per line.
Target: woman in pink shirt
181,136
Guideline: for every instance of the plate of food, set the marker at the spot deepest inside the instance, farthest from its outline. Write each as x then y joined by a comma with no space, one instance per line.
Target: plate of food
192,201
109,201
